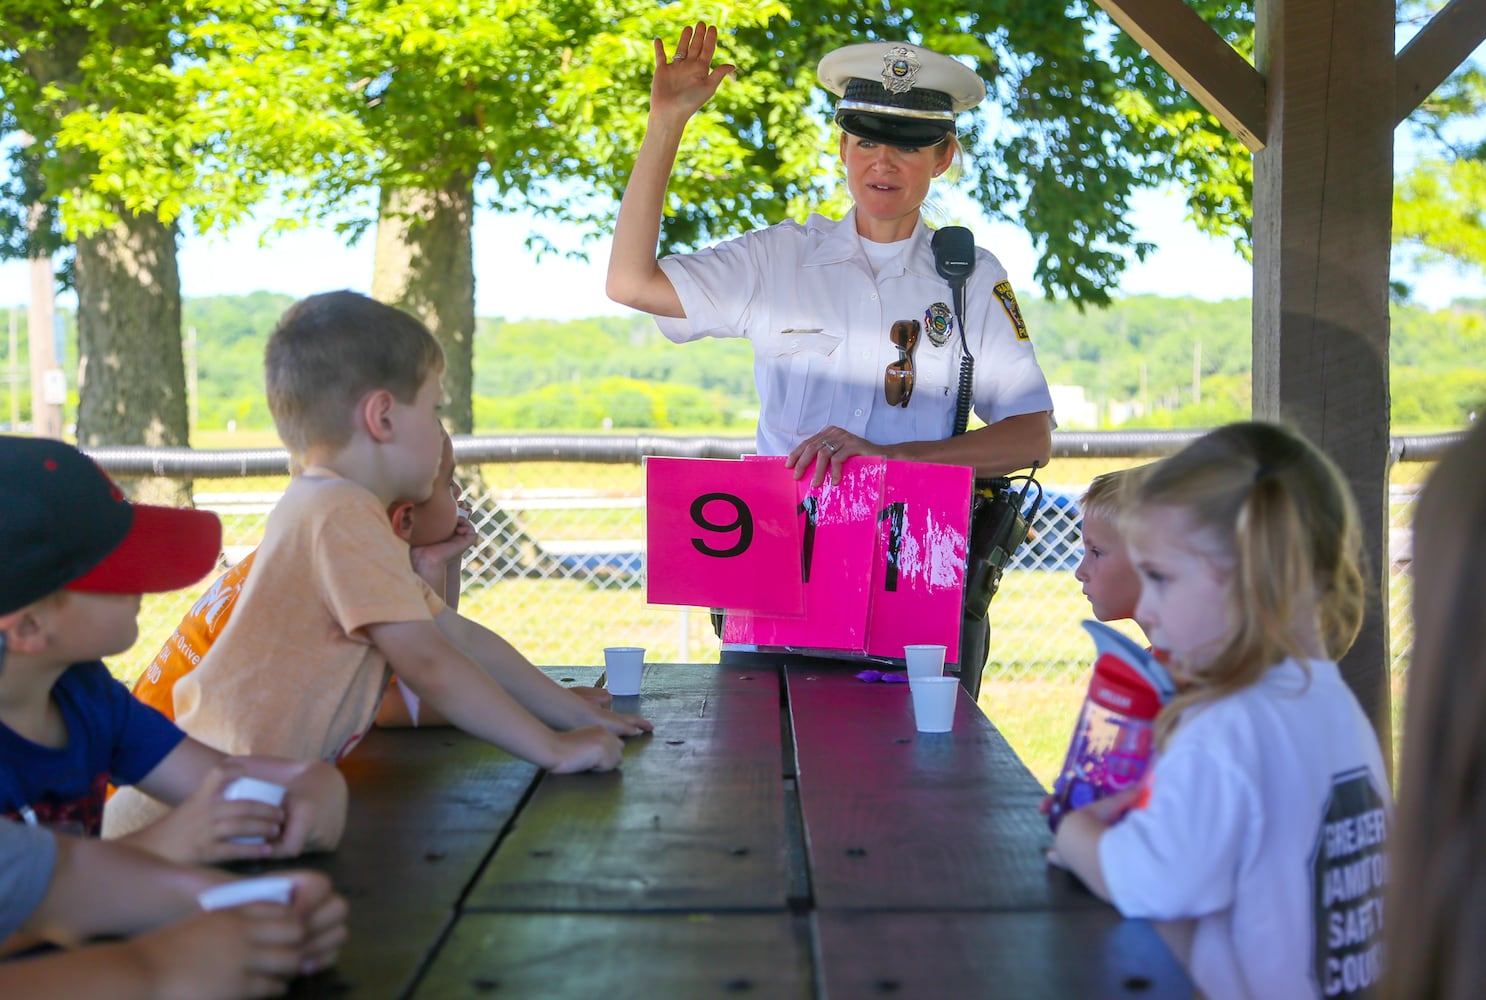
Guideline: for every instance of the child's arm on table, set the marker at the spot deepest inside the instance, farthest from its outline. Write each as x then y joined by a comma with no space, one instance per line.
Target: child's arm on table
438,565
548,700
444,677
201,827
1076,846
104,888
250,951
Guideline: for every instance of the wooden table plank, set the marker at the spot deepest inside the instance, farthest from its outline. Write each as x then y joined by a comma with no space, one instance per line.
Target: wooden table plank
964,830
426,806
617,957
695,819
1091,954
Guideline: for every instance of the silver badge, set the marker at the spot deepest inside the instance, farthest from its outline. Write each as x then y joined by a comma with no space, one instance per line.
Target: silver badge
900,68
937,323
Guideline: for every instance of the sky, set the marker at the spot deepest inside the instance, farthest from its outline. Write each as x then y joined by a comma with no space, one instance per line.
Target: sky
511,282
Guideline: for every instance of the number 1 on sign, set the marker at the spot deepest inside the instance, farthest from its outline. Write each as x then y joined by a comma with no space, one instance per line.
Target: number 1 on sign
895,514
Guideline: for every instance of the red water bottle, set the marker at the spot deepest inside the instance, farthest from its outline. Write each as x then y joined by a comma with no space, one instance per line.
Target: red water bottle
1115,735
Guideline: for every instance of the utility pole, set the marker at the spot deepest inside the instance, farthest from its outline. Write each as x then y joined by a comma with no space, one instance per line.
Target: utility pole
48,384
14,379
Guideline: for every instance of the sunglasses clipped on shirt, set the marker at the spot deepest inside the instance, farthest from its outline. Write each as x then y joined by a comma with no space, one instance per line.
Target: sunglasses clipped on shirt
897,382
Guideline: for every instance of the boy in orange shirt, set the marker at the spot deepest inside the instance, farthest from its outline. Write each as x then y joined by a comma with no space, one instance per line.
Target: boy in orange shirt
333,602
436,532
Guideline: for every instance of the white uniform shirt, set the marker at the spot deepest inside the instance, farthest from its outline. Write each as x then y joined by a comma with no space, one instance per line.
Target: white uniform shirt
1267,823
819,321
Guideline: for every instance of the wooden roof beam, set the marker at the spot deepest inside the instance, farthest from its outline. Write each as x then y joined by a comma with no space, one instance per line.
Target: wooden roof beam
1435,52
1201,61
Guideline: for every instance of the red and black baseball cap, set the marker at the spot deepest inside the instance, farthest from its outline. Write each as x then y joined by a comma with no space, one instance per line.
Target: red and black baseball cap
65,526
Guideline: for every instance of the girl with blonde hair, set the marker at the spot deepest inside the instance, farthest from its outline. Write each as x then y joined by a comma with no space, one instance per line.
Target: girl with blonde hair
1260,836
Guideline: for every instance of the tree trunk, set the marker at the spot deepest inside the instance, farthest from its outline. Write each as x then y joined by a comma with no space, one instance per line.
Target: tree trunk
131,375
425,266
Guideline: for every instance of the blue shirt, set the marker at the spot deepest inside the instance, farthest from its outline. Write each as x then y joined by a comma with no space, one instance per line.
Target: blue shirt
111,737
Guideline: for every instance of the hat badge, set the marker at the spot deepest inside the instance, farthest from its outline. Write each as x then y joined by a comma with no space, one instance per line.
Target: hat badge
900,68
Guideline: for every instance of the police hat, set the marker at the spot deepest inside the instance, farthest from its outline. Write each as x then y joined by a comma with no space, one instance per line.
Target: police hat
898,94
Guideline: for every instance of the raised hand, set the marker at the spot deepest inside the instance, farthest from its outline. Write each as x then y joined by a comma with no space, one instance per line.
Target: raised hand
687,80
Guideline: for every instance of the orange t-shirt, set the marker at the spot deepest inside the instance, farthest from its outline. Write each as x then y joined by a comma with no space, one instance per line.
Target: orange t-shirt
191,639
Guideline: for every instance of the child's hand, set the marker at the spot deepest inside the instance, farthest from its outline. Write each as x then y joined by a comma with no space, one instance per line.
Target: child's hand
430,560
592,748
202,828
314,806
247,951
623,724
594,696
1112,808
324,917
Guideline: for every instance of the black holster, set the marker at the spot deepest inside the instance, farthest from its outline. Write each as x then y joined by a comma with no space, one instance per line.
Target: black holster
997,529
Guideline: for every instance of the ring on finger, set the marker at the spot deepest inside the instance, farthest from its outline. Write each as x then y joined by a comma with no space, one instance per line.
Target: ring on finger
832,447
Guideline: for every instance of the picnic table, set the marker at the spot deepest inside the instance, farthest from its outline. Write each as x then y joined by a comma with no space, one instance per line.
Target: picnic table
785,832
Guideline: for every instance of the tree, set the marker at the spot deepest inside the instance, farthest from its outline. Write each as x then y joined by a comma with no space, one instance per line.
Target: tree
141,117
1437,202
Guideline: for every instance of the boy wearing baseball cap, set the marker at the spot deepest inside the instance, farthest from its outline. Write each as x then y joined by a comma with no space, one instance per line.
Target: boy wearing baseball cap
78,556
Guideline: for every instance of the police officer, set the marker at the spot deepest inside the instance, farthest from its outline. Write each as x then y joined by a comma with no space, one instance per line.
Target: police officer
856,345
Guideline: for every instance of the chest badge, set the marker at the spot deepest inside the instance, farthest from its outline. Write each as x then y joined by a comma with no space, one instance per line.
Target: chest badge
938,322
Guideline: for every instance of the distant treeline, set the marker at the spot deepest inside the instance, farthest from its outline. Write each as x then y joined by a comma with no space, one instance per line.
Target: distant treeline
620,372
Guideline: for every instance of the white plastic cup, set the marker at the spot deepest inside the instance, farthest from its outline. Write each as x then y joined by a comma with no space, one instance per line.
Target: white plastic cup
624,665
934,702
258,791
268,889
924,659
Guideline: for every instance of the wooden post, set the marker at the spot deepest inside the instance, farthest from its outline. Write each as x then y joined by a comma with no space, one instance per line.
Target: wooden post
1322,230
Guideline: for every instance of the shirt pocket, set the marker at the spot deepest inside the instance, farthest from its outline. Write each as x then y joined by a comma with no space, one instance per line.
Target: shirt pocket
936,382
800,366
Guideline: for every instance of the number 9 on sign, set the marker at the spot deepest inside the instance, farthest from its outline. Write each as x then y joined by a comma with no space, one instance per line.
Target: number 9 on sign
718,533
742,523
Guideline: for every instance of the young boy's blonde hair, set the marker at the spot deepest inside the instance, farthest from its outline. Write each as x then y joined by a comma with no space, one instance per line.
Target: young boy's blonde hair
1109,492
1284,516
330,350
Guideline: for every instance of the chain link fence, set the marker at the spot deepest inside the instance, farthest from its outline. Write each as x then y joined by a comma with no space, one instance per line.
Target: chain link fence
559,570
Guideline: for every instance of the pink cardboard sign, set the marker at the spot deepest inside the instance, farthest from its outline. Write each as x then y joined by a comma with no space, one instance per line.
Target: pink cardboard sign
918,570
721,534
837,528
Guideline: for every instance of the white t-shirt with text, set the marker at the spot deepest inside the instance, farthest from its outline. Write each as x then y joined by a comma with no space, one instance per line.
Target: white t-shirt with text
1266,824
